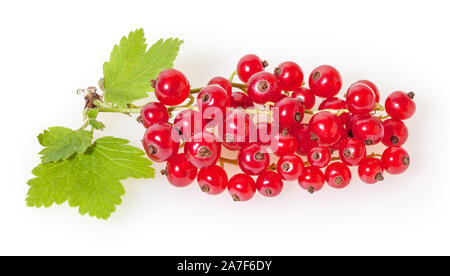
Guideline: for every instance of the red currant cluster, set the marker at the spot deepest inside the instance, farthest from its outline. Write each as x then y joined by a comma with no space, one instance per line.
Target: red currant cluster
221,117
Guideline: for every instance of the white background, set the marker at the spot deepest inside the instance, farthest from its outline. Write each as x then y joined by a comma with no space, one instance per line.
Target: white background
51,48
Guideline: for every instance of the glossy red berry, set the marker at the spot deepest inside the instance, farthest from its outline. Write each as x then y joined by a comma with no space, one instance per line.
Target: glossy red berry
352,152
160,142
241,187
249,65
288,113
360,99
289,75
325,128
342,140
319,156
352,121
395,160
283,143
400,105
188,123
236,129
253,159
242,100
338,175
269,184
290,167
212,180
263,87
370,170
333,103
171,87
225,84
179,171
212,102
153,113
395,132
368,129
304,141
373,87
311,179
306,97
263,133
203,150
325,81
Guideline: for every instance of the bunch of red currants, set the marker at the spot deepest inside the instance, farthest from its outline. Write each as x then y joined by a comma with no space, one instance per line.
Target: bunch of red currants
219,121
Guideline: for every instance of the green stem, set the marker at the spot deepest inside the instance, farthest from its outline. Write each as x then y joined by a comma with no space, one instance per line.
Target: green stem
85,125
241,86
195,90
232,76
104,107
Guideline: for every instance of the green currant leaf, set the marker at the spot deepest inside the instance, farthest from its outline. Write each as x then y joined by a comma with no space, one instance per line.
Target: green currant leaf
131,67
60,143
90,180
52,134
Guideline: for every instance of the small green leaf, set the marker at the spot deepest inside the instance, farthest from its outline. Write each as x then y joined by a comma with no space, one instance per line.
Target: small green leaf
60,143
90,180
96,124
92,113
131,67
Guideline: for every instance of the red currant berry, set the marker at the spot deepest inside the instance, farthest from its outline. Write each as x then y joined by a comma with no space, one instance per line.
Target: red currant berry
179,171
338,175
325,128
203,150
282,96
212,180
369,130
306,97
224,83
311,179
289,75
319,156
242,100
352,152
253,159
212,102
360,99
342,140
160,142
373,87
263,87
249,65
325,81
395,160
241,187
188,123
290,167
269,184
333,103
370,170
304,141
352,121
153,113
283,143
395,132
289,113
400,105
236,129
171,87
263,133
